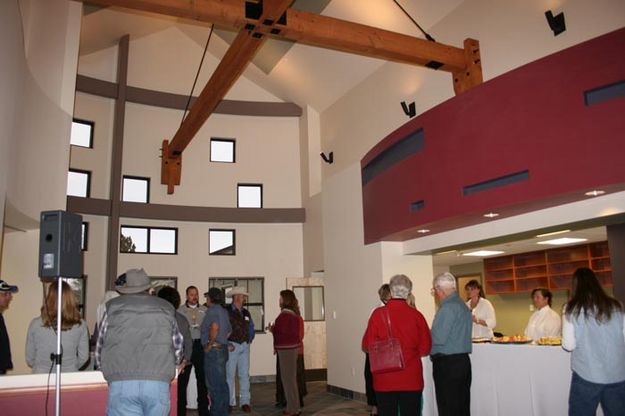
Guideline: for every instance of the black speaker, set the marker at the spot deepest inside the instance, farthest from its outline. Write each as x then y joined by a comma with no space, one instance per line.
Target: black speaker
60,235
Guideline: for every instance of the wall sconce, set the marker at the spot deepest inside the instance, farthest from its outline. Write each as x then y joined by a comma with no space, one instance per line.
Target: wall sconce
409,109
556,23
328,159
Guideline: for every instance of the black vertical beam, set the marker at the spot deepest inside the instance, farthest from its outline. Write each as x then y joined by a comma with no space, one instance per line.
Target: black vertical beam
616,243
116,160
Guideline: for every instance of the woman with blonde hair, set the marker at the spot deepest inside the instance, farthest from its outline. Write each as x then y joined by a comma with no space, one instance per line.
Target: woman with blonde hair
41,338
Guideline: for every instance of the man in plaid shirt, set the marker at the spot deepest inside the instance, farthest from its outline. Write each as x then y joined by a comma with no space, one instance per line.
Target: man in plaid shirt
139,346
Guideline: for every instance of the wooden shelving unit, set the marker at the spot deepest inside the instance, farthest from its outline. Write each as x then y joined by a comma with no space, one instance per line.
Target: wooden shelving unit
551,268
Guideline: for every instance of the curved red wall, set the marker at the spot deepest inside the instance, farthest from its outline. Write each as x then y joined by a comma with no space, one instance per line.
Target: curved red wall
533,118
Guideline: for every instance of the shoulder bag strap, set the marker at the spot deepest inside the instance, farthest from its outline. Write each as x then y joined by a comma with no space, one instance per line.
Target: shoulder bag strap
388,322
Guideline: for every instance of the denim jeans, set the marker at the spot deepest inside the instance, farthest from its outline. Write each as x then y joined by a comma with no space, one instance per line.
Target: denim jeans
215,372
584,397
239,359
138,397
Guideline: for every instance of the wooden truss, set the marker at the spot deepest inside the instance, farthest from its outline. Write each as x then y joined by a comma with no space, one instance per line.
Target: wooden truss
258,20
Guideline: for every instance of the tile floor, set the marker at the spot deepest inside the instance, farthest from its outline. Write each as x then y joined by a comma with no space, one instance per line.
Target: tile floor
317,402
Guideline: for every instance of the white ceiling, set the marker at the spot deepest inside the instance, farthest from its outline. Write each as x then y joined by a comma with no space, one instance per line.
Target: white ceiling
514,247
305,75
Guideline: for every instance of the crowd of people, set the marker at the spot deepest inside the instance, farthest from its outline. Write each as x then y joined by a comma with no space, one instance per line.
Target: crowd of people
145,337
143,341
593,330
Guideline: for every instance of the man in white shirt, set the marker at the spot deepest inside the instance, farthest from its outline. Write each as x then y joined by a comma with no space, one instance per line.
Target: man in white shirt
544,322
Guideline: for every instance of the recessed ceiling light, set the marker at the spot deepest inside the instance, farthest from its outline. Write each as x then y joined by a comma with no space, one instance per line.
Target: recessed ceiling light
595,192
491,215
561,241
553,233
483,253
423,231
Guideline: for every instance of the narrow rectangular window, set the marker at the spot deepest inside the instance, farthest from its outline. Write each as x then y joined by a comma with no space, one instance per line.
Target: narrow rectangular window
85,236
135,189
250,195
82,133
221,242
78,183
222,150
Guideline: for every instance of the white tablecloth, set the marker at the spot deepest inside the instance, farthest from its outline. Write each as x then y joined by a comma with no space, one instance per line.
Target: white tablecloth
523,380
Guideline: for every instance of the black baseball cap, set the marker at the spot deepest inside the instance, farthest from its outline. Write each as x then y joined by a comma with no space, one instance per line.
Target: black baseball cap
5,287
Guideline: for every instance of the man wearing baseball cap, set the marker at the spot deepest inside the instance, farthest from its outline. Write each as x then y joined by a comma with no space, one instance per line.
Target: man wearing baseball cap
6,295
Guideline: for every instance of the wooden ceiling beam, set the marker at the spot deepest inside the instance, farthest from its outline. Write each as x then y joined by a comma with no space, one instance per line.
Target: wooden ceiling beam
313,29
232,65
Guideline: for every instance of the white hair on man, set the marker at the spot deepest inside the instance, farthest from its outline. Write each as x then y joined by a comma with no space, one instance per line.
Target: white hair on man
444,281
400,286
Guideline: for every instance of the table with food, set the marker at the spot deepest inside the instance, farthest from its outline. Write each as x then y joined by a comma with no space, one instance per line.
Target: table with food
513,375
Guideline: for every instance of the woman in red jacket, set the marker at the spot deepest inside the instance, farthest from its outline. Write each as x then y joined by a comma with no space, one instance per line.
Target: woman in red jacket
400,390
287,340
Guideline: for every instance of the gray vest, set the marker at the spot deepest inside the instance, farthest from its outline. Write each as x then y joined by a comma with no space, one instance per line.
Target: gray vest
138,344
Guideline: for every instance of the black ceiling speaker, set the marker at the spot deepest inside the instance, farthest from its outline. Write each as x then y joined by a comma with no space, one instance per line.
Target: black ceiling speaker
556,23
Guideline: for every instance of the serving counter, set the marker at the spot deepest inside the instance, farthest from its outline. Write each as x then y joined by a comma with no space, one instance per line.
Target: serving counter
523,380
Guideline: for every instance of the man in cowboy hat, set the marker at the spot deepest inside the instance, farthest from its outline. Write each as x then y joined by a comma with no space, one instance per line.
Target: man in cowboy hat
240,338
6,295
139,346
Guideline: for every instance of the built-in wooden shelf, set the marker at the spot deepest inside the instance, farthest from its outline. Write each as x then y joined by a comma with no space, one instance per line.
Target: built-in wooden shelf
551,268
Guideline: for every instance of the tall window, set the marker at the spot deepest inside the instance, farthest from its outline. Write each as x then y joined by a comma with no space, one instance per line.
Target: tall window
222,150
256,299
221,242
136,189
250,195
82,133
79,183
148,240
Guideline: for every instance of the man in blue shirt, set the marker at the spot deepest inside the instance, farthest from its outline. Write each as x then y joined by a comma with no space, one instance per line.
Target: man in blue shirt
451,346
239,356
215,331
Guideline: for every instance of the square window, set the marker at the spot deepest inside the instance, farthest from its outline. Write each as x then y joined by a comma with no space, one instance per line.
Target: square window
78,183
82,133
133,240
163,240
221,242
85,236
135,189
222,150
250,196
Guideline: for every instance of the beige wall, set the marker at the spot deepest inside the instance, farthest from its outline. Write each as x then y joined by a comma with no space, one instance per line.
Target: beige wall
267,151
511,33
40,73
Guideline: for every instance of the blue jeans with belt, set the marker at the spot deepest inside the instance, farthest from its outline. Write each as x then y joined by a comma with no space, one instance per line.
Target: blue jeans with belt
215,371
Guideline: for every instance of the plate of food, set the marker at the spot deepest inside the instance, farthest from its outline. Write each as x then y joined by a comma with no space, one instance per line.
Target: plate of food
480,340
552,341
514,339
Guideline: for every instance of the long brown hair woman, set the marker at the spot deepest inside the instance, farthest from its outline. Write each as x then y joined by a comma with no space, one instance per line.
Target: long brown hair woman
41,338
593,329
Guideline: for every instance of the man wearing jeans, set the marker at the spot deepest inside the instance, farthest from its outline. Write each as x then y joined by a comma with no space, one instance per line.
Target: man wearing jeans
451,346
138,348
214,335
239,357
